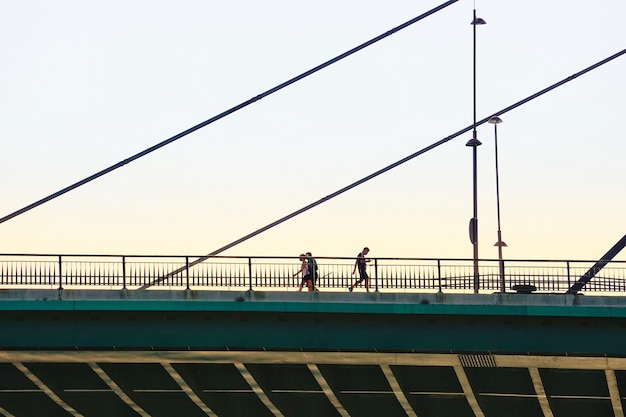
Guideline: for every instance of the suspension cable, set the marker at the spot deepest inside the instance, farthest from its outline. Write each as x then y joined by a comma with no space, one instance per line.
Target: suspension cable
225,113
390,167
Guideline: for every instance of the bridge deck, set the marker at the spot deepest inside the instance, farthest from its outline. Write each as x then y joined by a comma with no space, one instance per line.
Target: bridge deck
205,353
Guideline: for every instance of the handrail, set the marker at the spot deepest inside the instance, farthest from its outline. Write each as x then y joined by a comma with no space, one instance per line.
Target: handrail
248,273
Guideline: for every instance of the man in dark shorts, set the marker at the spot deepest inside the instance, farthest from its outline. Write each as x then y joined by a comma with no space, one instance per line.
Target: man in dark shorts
313,270
361,263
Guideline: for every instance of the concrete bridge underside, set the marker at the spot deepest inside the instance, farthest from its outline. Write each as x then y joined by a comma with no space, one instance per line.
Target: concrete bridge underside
164,353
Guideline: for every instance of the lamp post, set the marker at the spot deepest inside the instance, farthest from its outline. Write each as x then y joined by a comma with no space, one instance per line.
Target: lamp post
474,143
495,121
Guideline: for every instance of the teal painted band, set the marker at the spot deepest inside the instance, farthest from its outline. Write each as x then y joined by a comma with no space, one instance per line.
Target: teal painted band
314,307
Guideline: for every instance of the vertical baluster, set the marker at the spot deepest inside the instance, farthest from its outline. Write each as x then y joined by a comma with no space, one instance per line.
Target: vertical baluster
123,272
376,275
187,271
250,274
439,273
60,273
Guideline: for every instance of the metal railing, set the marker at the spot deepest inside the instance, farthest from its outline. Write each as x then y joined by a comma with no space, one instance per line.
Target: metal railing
276,273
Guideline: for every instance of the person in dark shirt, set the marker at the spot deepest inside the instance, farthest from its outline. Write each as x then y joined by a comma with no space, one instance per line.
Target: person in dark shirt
313,270
361,264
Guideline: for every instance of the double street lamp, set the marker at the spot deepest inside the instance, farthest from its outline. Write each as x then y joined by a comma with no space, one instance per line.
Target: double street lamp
474,143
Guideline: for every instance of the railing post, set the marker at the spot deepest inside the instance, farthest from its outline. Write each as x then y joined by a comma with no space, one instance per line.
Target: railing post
502,277
123,272
439,273
60,273
250,273
569,283
376,275
187,271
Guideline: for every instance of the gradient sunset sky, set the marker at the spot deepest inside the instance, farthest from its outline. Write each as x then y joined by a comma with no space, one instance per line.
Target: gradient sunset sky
85,85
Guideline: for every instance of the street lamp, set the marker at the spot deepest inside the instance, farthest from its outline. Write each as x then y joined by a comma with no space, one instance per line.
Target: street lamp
474,143
495,121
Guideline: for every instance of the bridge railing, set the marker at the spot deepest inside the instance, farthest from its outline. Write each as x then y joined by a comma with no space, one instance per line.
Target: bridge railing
277,273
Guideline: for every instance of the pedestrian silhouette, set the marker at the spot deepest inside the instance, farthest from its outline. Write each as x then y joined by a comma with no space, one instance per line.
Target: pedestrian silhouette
361,264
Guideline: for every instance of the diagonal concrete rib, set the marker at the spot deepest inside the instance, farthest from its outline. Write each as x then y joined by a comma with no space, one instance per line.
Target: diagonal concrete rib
467,390
397,390
257,389
616,399
5,413
46,390
541,392
187,390
117,390
327,390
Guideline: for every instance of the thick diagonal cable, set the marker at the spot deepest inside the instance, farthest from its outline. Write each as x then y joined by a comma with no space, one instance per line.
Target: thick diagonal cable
390,167
225,113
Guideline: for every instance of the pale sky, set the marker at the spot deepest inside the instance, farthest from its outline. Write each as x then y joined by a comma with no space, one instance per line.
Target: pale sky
85,85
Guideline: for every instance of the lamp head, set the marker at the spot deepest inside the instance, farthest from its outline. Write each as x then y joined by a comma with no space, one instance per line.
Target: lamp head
494,120
478,21
473,142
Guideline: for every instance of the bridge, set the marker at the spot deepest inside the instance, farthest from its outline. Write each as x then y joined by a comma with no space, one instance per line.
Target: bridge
162,352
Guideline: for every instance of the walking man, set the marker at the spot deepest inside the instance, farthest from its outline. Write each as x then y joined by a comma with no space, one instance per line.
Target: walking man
313,269
361,264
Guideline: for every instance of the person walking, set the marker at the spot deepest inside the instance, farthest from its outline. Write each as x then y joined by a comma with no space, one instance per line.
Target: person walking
361,264
313,270
306,275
